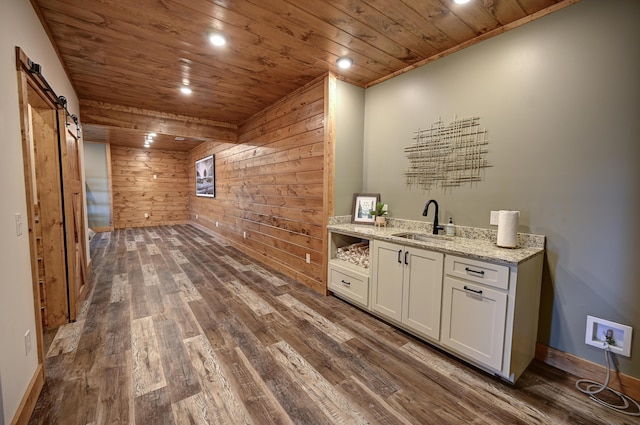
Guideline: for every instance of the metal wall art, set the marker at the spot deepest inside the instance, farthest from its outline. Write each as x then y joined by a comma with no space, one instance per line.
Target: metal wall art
447,155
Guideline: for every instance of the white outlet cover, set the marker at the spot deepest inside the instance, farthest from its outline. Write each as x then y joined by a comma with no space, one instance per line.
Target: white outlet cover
27,342
493,218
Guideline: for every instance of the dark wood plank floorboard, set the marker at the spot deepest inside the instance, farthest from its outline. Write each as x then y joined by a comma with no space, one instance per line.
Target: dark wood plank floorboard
181,328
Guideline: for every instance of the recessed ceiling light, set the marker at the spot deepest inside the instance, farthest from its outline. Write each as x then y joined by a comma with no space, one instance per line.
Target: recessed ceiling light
217,39
344,62
186,90
461,1
179,139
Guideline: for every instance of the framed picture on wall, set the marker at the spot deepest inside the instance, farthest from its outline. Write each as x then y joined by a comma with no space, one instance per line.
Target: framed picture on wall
206,177
363,203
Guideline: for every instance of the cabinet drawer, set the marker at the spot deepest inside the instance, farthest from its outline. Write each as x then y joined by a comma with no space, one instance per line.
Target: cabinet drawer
348,284
477,271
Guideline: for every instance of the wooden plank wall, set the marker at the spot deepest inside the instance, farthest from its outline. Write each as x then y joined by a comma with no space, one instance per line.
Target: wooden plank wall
270,186
136,192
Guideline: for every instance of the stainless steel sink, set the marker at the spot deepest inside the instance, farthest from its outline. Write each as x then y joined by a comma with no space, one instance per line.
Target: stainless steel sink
422,237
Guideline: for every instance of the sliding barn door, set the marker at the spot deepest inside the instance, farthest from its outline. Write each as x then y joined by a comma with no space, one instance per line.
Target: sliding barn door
47,210
73,200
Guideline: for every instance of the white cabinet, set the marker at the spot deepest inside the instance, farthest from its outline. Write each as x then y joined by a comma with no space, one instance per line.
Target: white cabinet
490,313
485,313
387,273
345,279
407,286
349,283
473,320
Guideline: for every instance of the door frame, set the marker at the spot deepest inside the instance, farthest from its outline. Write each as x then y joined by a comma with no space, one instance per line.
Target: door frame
26,83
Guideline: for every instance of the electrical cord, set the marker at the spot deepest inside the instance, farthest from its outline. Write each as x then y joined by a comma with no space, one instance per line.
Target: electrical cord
592,388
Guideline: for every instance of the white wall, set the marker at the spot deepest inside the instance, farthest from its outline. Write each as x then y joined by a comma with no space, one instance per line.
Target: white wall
19,26
560,98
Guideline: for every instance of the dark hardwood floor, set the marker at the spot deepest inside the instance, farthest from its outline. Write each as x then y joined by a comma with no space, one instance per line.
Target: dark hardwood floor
182,329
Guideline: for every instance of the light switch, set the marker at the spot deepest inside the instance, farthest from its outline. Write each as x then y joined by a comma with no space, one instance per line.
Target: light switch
18,224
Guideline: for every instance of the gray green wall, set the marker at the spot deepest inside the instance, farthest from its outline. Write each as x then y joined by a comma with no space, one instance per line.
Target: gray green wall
349,145
560,98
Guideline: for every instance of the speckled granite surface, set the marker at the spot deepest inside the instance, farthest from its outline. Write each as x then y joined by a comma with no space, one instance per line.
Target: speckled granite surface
469,241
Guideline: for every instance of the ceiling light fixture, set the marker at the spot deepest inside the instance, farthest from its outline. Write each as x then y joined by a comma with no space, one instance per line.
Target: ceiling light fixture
344,62
186,90
217,39
461,1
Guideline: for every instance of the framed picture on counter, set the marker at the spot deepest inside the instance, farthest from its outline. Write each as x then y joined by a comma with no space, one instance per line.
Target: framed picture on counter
363,203
206,177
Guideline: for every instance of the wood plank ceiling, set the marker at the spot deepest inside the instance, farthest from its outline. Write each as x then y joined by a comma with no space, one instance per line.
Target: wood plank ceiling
139,53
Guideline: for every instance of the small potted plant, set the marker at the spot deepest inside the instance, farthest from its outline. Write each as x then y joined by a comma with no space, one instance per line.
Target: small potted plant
379,213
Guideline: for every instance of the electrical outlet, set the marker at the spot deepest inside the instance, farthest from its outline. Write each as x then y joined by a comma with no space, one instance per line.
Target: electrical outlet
216,224
493,218
244,235
308,258
146,215
197,216
601,331
27,343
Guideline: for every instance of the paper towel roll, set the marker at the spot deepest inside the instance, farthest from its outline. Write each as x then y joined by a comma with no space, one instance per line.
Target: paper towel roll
508,228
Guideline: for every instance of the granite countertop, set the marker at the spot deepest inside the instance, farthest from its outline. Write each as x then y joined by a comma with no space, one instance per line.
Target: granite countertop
469,242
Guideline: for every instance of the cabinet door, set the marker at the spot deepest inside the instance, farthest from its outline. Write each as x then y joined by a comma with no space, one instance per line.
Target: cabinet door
386,285
422,291
473,321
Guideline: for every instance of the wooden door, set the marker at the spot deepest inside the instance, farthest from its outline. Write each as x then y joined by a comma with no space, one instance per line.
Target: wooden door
46,208
57,240
75,235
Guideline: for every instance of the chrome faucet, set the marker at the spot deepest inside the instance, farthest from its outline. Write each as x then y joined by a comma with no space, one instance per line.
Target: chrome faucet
436,227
